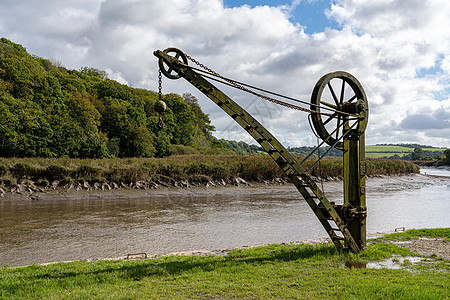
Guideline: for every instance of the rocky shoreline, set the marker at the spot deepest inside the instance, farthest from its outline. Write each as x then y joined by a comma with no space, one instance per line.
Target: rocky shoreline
29,187
32,190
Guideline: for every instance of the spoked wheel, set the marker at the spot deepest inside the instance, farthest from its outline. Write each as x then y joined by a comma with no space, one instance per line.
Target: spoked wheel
341,98
168,71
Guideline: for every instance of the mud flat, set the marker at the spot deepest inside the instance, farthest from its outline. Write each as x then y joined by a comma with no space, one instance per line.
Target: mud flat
427,247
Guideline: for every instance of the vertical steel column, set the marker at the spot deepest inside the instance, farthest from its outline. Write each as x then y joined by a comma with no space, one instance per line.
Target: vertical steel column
362,190
354,208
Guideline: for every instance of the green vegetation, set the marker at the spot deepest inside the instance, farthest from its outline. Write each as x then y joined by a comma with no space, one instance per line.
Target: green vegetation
49,111
242,148
417,233
406,152
194,168
269,272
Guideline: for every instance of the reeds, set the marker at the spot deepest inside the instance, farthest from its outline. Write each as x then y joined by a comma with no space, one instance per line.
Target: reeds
194,167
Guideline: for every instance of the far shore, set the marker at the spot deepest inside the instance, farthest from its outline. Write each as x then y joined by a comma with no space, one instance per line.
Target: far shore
30,176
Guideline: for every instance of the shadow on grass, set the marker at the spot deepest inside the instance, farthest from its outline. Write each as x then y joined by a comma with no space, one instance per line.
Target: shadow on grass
175,265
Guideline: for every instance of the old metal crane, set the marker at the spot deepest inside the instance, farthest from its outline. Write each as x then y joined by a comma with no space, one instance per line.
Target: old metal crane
339,119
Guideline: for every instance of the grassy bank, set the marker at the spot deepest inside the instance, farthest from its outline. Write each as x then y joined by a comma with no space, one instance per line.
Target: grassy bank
189,168
269,272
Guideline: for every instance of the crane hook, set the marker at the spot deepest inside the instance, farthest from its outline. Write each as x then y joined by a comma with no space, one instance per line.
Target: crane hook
160,107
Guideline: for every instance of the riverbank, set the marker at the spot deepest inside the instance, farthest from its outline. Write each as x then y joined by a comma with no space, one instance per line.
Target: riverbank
302,271
38,175
237,187
437,245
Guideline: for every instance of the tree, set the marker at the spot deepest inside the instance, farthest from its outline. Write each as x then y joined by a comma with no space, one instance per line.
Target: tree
447,156
85,119
94,72
417,154
185,120
47,110
24,128
132,137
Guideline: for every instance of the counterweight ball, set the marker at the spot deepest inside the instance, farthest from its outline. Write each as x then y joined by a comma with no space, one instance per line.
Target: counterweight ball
160,106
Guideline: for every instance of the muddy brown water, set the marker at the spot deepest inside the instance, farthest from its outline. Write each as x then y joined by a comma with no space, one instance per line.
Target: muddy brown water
96,225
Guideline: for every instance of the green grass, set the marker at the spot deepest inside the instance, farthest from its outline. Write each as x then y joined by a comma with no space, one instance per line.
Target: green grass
379,151
396,149
417,233
270,272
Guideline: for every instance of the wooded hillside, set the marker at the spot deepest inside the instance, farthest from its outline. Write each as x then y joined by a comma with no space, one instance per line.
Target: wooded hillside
49,111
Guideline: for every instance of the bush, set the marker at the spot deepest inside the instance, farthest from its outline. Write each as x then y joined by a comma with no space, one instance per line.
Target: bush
181,150
42,182
56,172
66,180
128,174
24,170
3,170
86,171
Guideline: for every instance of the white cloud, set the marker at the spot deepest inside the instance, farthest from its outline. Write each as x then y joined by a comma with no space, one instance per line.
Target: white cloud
445,64
383,43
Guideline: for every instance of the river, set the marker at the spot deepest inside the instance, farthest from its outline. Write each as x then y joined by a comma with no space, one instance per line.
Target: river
96,225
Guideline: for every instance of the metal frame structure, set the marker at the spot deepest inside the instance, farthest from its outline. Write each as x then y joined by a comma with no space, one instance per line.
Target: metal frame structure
345,224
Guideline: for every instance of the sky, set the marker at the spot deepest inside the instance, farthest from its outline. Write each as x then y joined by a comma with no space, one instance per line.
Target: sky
399,50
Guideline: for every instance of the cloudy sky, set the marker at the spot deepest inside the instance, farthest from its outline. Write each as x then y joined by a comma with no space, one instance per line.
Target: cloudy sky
398,49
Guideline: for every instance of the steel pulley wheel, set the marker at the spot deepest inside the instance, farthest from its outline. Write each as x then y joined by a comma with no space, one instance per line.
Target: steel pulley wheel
337,98
168,71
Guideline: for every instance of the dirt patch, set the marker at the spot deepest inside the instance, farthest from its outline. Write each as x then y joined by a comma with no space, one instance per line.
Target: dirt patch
427,247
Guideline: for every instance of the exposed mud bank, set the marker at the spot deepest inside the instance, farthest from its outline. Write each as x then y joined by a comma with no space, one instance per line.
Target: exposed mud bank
427,247
29,190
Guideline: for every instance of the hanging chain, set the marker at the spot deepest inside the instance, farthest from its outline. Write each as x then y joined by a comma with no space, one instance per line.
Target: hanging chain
159,85
160,124
238,86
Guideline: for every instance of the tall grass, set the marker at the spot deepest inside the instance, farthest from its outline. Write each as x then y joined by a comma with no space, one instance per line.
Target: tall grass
178,167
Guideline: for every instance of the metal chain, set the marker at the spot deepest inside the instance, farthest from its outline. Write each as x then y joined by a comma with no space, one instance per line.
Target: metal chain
238,86
159,85
160,124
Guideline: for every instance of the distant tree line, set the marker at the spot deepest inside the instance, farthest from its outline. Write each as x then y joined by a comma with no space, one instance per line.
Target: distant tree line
407,145
47,110
323,151
242,148
419,154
